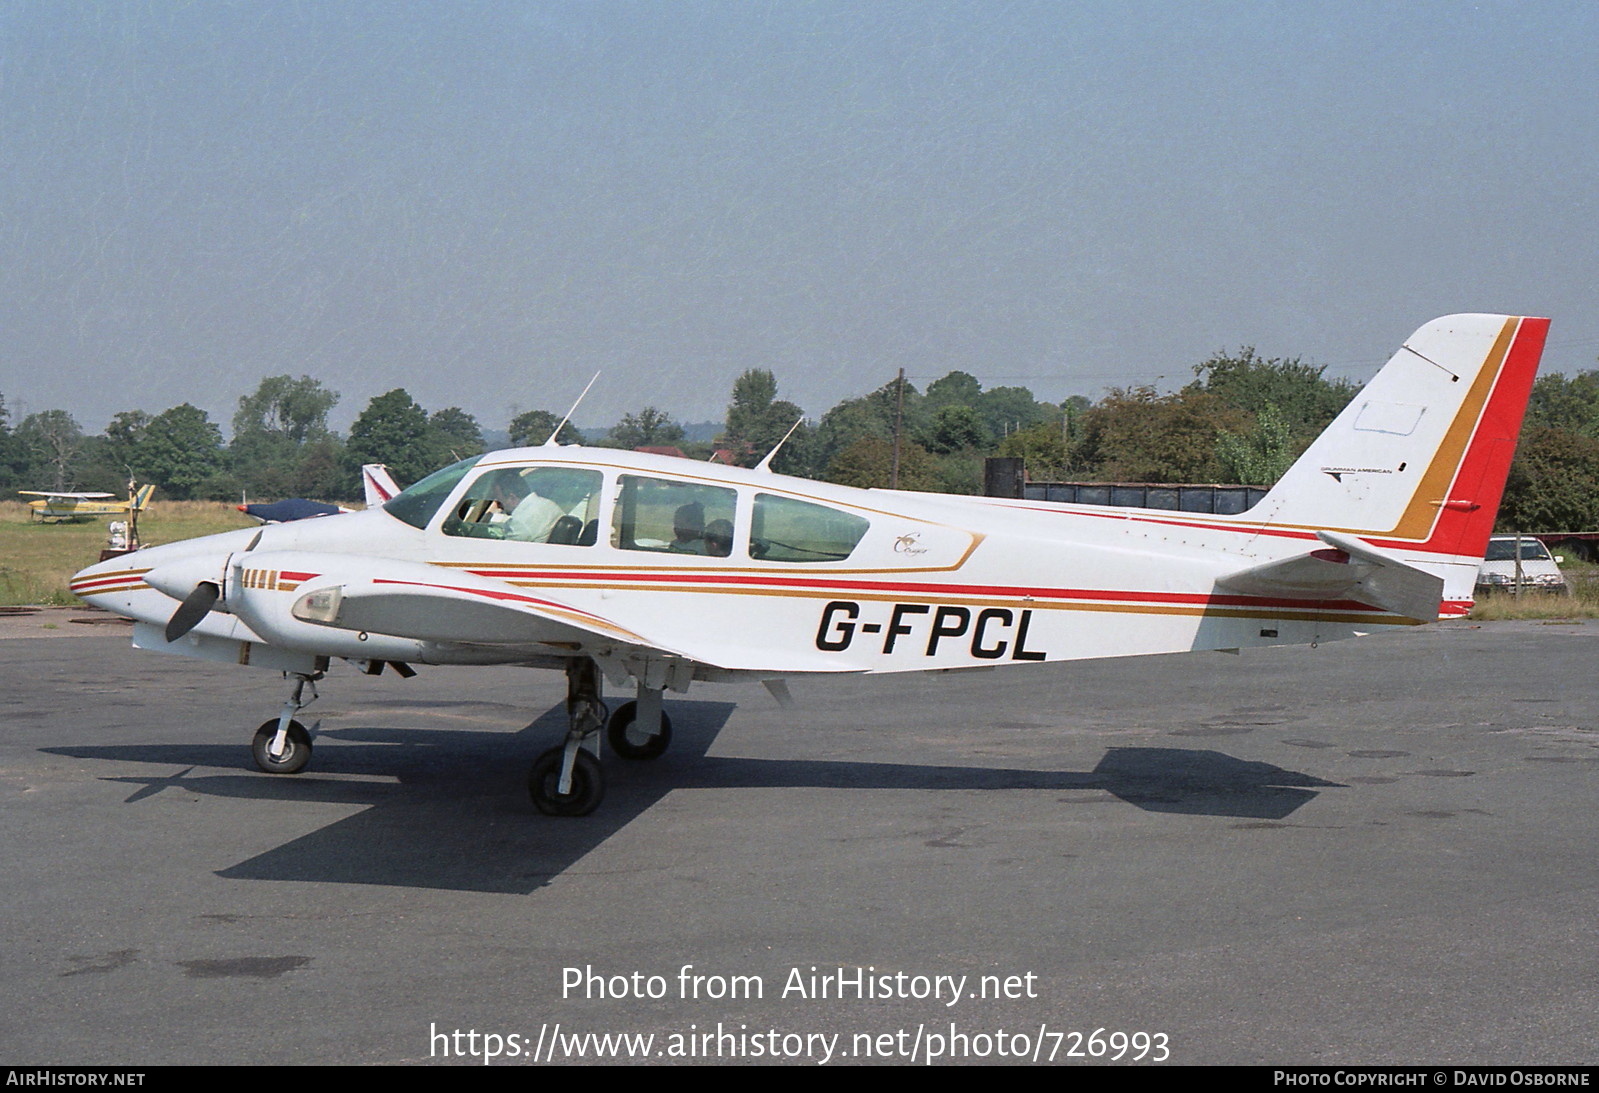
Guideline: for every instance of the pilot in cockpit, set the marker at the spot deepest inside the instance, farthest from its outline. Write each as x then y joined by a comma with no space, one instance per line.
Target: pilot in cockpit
537,505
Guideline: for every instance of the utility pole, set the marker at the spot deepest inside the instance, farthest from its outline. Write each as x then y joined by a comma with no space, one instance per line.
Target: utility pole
899,416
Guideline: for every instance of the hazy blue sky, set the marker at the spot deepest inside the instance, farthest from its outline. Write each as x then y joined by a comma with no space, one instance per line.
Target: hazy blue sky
485,203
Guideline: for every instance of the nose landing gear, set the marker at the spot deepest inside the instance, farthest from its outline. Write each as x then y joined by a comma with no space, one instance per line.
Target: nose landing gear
282,745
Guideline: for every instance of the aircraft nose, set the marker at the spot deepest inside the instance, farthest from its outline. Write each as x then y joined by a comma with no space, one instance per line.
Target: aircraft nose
114,575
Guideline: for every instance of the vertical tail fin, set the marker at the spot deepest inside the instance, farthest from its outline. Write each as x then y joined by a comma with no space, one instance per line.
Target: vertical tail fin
1418,458
377,483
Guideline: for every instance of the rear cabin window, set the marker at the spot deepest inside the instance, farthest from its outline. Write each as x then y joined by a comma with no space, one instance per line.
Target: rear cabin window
671,517
788,530
557,505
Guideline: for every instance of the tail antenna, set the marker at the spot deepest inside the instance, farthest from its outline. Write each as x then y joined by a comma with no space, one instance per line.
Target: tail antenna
766,464
550,443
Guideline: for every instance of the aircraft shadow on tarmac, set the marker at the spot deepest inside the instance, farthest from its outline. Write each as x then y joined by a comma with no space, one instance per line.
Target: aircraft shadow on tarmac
448,809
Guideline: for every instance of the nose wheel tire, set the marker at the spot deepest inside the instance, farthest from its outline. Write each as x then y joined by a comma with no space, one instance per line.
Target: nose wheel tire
630,742
296,748
544,781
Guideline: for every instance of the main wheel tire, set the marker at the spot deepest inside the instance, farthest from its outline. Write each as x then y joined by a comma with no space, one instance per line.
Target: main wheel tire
296,753
588,784
631,743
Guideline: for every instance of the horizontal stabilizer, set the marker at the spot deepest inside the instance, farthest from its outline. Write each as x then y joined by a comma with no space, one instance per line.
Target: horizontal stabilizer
1319,575
1351,570
1390,583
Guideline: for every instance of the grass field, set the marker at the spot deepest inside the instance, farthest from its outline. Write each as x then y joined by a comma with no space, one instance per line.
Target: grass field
37,559
1583,603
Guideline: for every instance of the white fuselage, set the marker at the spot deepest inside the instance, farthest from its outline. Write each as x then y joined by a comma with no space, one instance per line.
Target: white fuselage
934,581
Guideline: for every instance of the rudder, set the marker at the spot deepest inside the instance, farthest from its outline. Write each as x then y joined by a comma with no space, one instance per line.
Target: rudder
1419,457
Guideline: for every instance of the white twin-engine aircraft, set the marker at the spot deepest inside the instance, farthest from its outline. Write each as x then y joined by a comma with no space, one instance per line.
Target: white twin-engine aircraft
659,572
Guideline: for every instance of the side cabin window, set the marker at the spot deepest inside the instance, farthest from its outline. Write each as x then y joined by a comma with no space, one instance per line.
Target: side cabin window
785,529
671,517
559,505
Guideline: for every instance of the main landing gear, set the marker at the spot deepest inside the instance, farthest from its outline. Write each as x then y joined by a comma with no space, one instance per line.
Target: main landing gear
567,780
282,745
564,781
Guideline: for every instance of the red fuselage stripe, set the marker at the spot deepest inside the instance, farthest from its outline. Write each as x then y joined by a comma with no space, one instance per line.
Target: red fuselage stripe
924,590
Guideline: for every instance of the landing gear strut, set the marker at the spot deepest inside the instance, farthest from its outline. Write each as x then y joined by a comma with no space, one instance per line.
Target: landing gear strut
567,780
282,745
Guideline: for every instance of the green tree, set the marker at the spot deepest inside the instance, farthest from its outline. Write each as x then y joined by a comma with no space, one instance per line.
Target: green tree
958,472
871,415
954,389
956,428
322,472
272,430
264,463
1569,404
647,428
295,409
1006,409
1551,483
1554,480
111,459
1260,456
757,421
533,428
1138,435
180,450
455,434
393,430
13,458
125,433
1301,395
868,463
1046,451
107,461
51,442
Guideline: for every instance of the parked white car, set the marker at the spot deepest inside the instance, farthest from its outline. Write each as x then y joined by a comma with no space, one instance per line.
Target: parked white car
1538,570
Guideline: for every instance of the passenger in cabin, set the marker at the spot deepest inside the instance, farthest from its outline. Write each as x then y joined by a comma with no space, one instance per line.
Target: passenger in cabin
719,538
688,529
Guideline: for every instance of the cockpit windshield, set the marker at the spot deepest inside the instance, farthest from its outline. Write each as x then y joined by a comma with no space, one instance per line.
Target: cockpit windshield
417,504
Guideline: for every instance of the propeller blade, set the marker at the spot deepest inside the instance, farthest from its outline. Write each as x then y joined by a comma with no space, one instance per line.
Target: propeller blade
195,606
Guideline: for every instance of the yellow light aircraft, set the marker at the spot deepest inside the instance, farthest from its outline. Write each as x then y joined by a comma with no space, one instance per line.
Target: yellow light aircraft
62,505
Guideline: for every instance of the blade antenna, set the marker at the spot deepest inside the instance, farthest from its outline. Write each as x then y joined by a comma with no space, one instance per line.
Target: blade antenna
766,464
551,442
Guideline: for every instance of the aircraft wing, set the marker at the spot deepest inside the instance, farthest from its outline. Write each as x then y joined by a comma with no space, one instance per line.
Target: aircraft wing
287,511
426,604
66,496
1352,569
458,608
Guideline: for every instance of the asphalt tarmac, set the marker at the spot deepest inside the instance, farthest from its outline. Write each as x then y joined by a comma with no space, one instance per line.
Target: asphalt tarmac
1378,851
